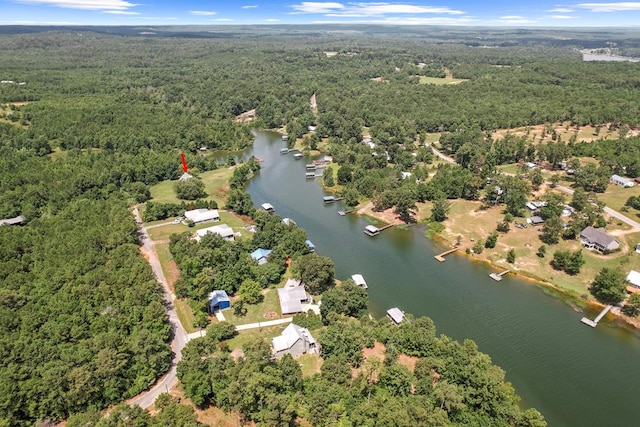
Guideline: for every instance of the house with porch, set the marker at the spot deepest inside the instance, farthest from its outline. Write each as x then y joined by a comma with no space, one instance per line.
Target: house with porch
596,238
296,341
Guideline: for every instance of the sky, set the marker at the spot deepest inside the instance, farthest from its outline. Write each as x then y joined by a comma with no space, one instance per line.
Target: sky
518,13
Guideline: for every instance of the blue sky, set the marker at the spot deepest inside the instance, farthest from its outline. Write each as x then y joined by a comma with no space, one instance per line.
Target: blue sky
524,13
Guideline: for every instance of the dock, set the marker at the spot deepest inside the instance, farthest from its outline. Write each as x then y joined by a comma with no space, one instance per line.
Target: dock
593,323
498,276
372,230
440,257
347,212
284,150
331,199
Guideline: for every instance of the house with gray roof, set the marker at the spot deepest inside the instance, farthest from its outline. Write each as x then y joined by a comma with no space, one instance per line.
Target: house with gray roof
596,238
292,296
294,340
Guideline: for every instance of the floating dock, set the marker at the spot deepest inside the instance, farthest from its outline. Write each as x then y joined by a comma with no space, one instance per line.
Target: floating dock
498,276
310,166
440,257
285,137
284,150
268,207
298,156
359,281
310,175
593,323
347,212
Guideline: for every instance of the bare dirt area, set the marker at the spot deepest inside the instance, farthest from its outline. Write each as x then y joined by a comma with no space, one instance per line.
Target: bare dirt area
379,79
565,130
246,117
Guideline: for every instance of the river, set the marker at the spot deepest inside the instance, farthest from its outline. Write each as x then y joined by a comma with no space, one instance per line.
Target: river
573,374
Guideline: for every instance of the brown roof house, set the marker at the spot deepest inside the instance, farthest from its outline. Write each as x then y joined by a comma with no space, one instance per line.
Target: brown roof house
595,238
294,340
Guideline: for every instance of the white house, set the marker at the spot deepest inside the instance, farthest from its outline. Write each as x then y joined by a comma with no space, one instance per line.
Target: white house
223,230
294,340
199,216
621,181
595,238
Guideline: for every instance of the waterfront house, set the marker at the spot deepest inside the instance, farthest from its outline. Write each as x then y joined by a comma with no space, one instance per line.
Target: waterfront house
261,255
621,181
396,315
218,300
595,238
200,216
294,340
292,296
222,230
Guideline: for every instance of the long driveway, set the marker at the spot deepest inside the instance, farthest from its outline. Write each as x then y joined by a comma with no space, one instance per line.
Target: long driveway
634,224
169,380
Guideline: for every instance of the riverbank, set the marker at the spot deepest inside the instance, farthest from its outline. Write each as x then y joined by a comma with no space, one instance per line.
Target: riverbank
448,238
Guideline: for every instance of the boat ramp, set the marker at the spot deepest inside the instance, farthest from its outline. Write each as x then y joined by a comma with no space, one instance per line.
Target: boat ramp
593,323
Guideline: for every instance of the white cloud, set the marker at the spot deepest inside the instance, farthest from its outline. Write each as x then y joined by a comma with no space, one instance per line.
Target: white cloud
159,18
120,12
85,4
514,20
365,9
272,20
202,12
610,7
223,20
561,17
560,10
406,21
250,6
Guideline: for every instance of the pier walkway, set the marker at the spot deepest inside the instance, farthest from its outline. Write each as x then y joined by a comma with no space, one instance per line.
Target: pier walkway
498,276
593,323
440,257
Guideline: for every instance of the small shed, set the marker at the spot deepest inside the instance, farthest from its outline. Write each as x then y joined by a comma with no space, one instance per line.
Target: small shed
634,278
218,300
396,315
535,220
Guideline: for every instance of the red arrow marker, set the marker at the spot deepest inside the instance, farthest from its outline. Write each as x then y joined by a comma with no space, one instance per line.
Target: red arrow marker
184,163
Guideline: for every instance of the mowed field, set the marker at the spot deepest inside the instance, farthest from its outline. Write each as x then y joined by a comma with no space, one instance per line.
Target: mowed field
216,184
440,80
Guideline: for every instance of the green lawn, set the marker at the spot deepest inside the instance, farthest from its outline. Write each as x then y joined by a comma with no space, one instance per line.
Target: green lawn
252,335
616,196
440,80
216,184
165,231
256,313
310,364
185,314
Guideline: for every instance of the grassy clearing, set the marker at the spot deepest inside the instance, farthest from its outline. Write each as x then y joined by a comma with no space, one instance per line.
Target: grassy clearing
169,267
216,183
185,314
330,54
165,231
616,196
472,224
253,335
440,81
258,313
310,364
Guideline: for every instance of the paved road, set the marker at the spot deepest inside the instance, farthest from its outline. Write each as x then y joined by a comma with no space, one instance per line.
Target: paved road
608,210
170,379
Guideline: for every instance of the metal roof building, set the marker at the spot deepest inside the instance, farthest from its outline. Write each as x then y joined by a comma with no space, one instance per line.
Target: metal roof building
218,300
261,255
396,315
223,230
199,216
292,295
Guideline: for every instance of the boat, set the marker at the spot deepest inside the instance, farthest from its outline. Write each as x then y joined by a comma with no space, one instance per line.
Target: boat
298,156
285,137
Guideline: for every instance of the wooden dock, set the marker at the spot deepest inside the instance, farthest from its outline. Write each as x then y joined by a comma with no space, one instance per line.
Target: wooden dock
343,213
440,257
498,276
593,323
371,230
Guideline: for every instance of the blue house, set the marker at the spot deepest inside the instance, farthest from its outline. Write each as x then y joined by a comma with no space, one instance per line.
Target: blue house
261,255
218,300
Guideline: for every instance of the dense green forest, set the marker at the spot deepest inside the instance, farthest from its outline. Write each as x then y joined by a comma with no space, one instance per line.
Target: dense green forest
104,113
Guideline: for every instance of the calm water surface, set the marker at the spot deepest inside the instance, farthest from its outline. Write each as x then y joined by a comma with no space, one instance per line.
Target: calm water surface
573,374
